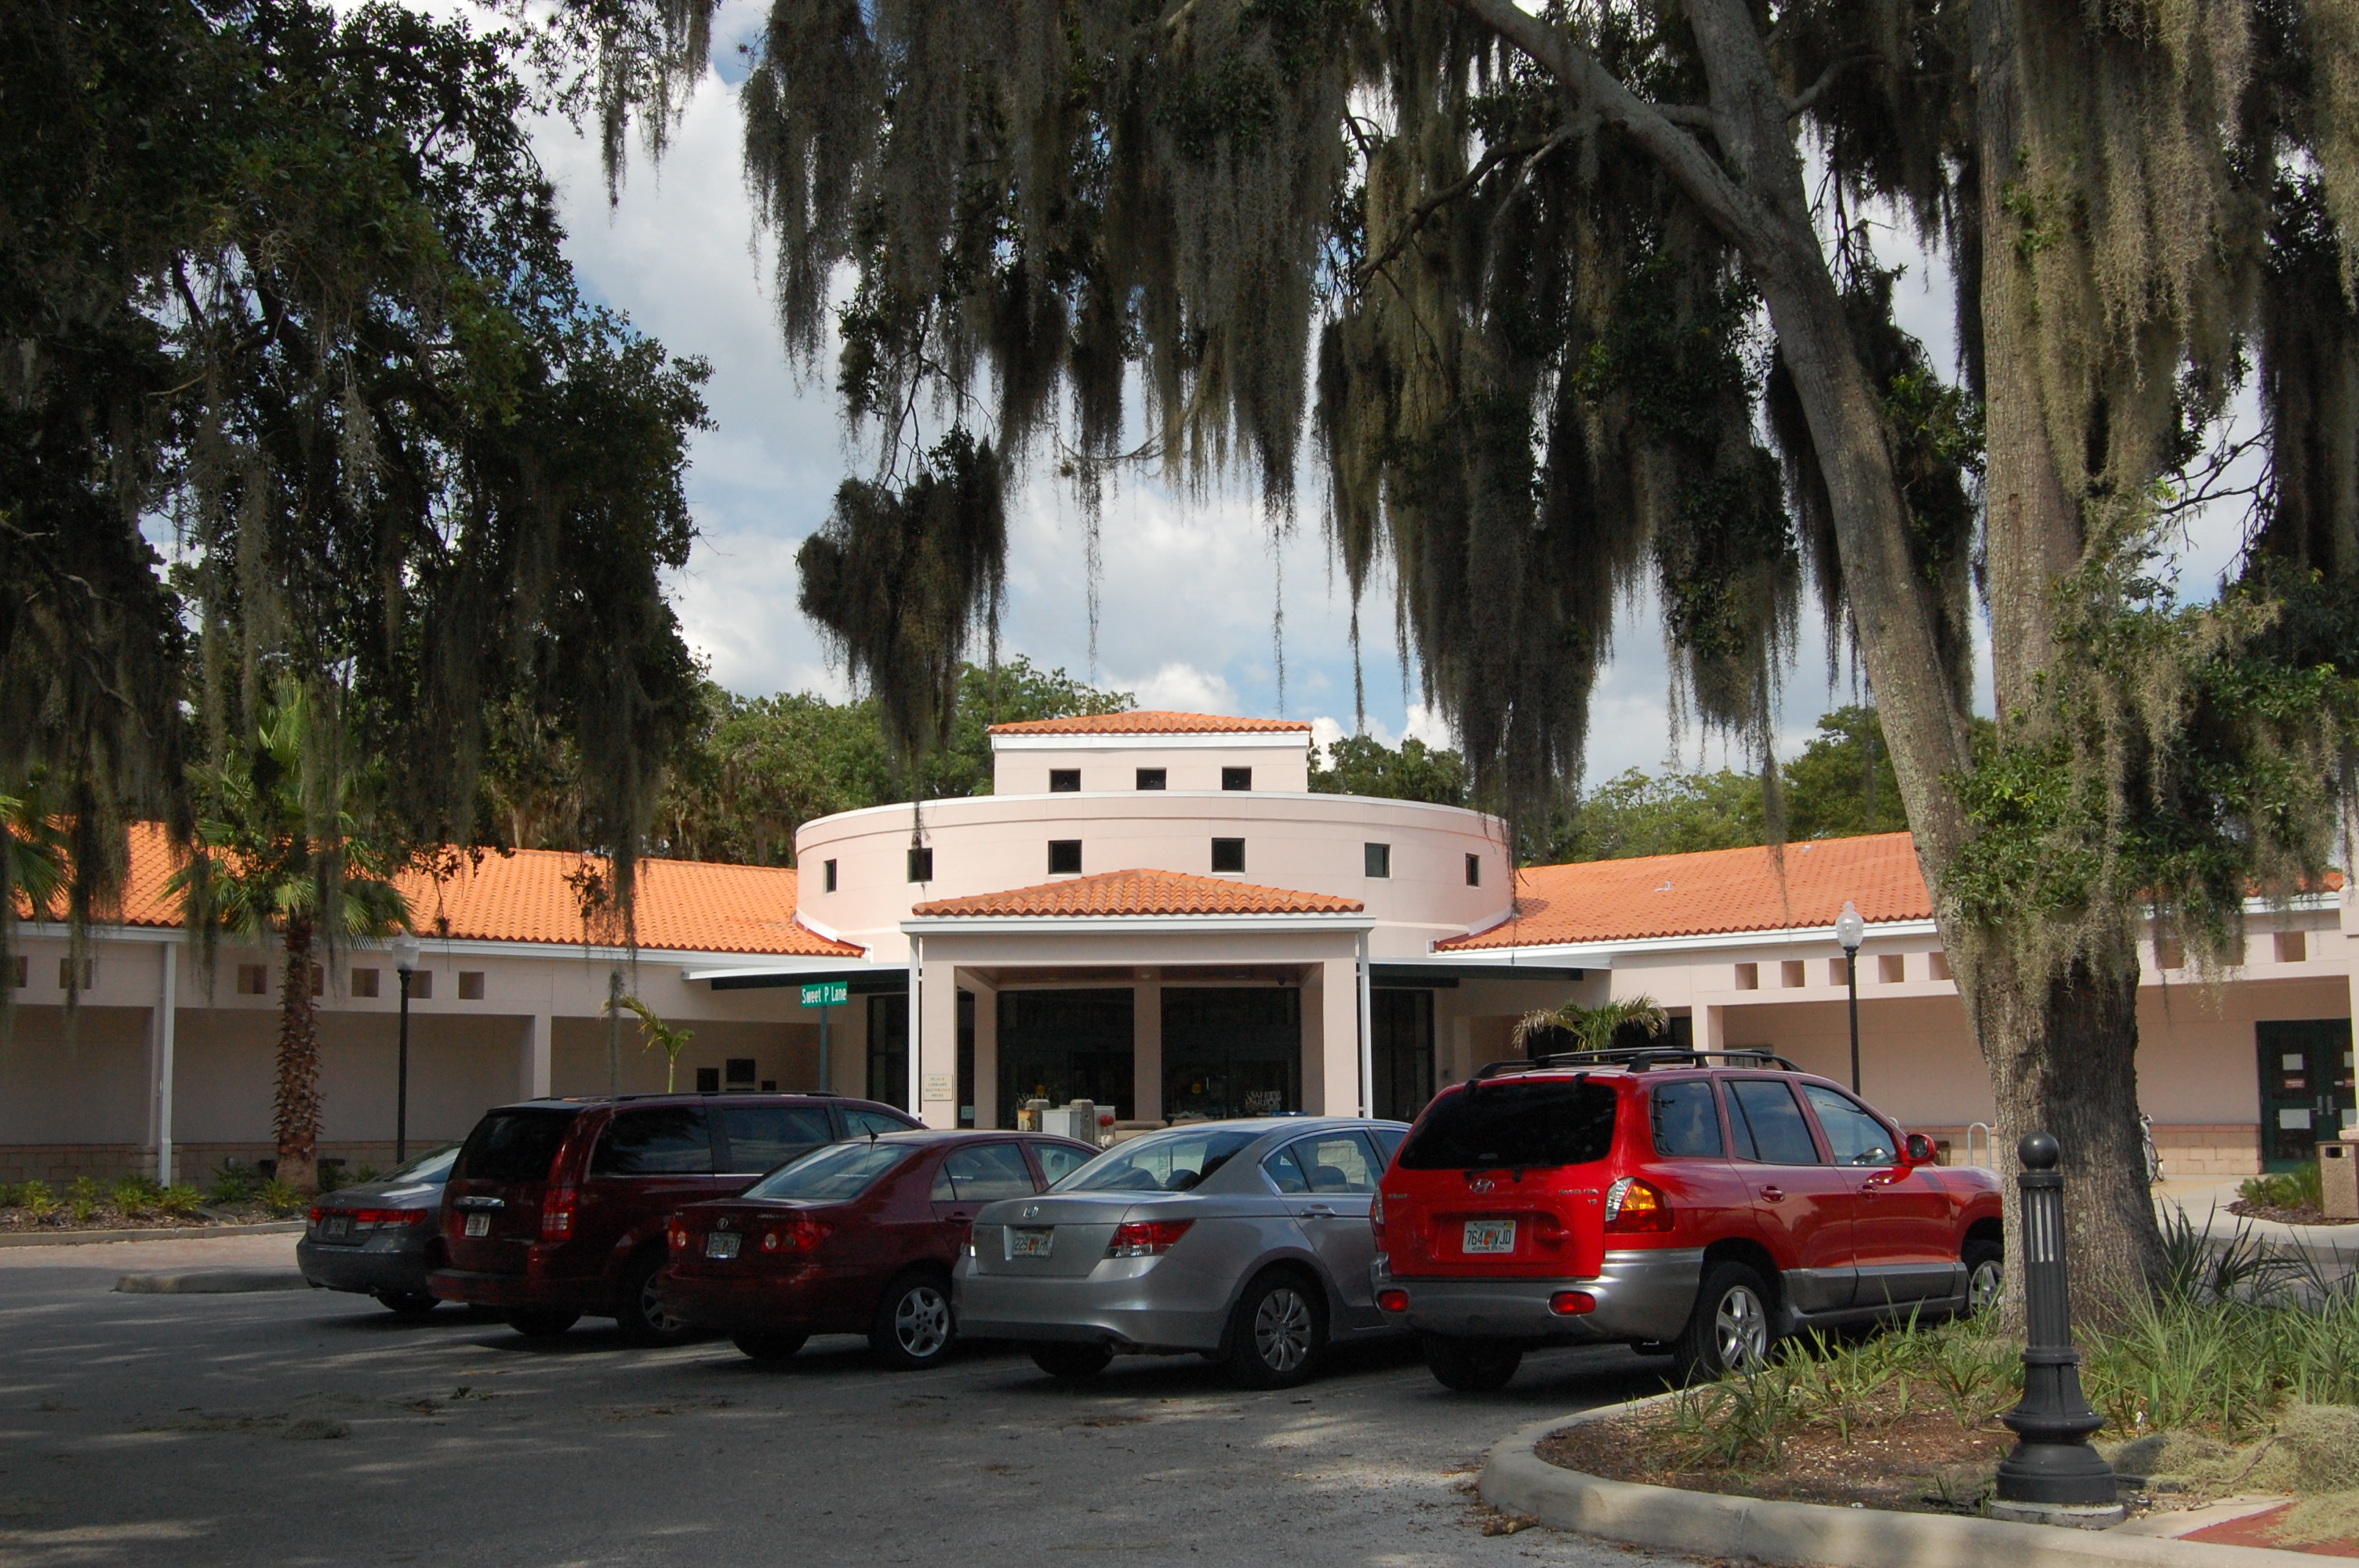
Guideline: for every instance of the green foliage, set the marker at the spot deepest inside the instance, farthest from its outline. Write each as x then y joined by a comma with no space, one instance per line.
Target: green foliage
1625,1020
234,1182
36,1199
2297,1188
1361,765
178,1200
281,1198
363,1173
134,1195
82,1195
657,1035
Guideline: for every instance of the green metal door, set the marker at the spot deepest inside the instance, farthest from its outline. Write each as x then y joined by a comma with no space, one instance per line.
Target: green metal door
2305,1087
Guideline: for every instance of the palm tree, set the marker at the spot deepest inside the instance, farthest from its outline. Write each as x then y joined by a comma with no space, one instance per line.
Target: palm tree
654,1033
1594,1027
279,854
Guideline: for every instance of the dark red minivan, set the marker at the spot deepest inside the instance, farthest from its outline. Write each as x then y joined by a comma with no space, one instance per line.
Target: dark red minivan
859,1238
556,1208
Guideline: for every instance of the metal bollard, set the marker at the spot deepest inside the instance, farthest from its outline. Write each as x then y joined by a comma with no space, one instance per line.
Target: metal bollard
2053,1475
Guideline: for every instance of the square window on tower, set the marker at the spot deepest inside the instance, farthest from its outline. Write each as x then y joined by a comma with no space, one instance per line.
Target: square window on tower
1228,854
1064,857
1064,781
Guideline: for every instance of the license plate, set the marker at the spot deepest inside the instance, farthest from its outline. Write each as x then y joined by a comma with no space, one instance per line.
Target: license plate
336,1227
1031,1243
1490,1236
479,1224
722,1244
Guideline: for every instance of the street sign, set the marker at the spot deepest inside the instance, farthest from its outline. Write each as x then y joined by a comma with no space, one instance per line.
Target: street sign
827,993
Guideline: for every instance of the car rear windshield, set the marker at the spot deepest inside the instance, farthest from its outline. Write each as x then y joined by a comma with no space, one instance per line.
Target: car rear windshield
514,1145
833,1174
1167,1163
1525,1125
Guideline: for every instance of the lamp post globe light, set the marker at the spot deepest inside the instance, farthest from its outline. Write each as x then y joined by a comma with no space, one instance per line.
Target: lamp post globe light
1850,931
405,963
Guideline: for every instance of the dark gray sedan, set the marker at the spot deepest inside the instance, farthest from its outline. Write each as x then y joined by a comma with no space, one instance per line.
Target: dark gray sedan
381,1237
1247,1242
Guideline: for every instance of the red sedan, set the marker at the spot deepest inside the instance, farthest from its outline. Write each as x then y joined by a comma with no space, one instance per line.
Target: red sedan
856,1238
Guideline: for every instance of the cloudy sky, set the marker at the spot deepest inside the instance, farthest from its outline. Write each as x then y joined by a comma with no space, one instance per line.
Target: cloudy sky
1187,590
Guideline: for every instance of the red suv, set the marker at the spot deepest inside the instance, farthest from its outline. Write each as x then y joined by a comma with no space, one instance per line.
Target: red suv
1704,1203
556,1208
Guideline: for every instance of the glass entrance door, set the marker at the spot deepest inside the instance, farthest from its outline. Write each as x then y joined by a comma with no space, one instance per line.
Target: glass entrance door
1064,1046
1231,1050
2306,1092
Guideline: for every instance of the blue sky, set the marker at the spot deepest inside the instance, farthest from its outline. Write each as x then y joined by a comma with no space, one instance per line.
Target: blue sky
1187,587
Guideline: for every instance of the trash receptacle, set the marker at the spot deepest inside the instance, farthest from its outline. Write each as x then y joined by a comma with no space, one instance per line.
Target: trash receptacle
2338,1177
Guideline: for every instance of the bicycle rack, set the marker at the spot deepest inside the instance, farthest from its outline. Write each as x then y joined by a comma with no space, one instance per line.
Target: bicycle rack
1985,1128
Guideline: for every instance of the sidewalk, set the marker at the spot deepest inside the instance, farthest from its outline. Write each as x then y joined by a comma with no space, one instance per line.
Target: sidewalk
2204,1200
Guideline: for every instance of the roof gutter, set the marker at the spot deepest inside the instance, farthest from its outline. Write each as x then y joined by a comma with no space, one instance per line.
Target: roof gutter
1131,925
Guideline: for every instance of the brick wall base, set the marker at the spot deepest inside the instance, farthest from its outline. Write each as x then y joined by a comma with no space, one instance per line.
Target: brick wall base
2227,1150
196,1164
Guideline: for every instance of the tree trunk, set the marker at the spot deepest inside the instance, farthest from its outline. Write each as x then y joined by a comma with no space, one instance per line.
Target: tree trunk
295,1111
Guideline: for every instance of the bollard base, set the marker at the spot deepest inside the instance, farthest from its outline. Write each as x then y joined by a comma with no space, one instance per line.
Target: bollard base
2069,1516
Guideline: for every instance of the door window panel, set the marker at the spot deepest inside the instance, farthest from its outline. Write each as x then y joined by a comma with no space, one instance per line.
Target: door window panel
762,1136
1336,1162
1857,1138
988,1171
1285,1173
1687,1122
1057,1162
661,1141
1768,1123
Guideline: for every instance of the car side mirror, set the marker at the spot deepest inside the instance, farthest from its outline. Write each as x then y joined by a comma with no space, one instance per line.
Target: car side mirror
1920,1149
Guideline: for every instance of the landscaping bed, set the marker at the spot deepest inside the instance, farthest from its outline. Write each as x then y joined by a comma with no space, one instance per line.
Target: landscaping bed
2287,1197
239,1195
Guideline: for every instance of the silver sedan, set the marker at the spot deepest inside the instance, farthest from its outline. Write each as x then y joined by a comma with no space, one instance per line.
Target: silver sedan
1244,1241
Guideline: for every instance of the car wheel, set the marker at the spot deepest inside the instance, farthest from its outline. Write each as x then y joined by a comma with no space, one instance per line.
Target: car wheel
1985,1276
1068,1359
1729,1330
1280,1332
639,1313
542,1324
913,1327
408,1305
770,1346
1472,1365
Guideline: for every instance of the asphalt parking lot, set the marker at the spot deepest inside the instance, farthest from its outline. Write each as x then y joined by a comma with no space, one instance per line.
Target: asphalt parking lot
301,1427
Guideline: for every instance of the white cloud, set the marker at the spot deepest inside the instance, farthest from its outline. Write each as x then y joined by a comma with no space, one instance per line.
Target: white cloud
1183,688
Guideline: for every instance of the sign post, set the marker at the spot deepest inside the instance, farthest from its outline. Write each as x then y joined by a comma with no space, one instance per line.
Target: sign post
822,996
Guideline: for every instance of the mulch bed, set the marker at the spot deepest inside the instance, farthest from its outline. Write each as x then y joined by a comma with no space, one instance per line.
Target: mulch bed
2251,1210
1918,1460
15,1221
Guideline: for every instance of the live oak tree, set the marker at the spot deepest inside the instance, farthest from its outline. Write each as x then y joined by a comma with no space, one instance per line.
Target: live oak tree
281,290
1594,300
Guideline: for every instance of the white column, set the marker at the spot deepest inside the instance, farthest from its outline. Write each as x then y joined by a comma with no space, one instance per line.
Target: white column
916,1060
536,1056
168,1001
1367,1035
933,1055
1710,1027
1147,1051
987,1055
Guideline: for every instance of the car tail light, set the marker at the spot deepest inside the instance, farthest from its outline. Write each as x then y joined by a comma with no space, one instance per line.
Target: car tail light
1634,1207
1572,1303
556,1213
316,1212
373,1218
680,1239
1377,1213
769,1241
804,1234
1393,1300
1147,1238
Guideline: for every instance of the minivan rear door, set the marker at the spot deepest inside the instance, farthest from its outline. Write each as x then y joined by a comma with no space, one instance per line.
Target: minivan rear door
755,1139
1507,1177
492,1202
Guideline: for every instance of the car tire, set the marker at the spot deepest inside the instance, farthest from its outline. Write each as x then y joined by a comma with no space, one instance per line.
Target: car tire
1073,1360
411,1306
637,1313
1471,1366
542,1324
914,1328
1729,1327
770,1346
1985,1264
1279,1334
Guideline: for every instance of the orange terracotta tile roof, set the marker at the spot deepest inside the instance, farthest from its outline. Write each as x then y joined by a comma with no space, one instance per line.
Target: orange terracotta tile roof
1716,891
683,905
1143,893
1151,721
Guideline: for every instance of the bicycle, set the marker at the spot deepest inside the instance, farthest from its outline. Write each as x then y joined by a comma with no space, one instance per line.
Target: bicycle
2145,1145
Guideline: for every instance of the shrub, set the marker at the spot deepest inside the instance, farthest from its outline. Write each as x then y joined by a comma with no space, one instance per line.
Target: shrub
365,1174
2297,1188
133,1195
83,1199
282,1198
235,1183
38,1200
8,1198
180,1198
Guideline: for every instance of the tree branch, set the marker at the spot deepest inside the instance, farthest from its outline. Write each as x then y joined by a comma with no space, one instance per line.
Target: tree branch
1597,90
1801,102
1424,211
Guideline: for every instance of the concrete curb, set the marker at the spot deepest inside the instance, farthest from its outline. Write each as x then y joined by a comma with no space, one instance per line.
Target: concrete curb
159,1233
1813,1535
211,1283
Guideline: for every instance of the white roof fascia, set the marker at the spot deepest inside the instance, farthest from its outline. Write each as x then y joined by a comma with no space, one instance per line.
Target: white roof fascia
1130,924
58,931
459,947
1601,955
1138,739
789,967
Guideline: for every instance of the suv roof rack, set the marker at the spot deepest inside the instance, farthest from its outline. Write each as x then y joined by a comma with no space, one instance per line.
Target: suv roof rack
1638,1059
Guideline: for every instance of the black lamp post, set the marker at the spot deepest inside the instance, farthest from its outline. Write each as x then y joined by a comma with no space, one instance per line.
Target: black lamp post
405,963
1850,931
2052,1466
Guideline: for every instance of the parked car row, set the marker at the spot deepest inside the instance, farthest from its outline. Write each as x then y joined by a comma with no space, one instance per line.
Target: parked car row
1703,1205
